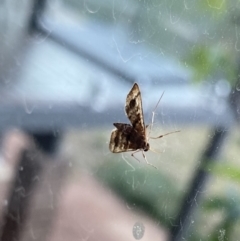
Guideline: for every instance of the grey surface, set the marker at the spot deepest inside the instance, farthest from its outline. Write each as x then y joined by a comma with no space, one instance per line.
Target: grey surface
14,20
57,89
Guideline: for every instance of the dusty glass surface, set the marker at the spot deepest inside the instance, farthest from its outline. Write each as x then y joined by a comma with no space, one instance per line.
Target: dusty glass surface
64,83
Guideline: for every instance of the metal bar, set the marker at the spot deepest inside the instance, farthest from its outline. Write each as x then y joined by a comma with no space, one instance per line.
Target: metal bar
84,53
191,198
47,141
38,8
20,195
29,167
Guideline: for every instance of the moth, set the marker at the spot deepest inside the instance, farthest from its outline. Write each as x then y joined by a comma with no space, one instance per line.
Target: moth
133,137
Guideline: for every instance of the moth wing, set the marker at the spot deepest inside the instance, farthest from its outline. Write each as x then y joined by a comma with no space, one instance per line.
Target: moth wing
120,140
134,109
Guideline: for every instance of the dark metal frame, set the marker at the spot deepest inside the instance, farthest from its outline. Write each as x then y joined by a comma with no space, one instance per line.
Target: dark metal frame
192,197
15,214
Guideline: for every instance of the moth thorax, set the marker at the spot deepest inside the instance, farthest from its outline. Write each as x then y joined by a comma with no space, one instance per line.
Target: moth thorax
147,147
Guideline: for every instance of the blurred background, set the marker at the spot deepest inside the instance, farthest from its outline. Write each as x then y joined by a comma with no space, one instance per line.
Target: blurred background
66,67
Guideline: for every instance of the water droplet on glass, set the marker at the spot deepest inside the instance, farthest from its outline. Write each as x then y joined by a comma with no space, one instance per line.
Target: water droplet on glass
28,109
5,202
138,230
90,7
221,236
238,86
6,81
223,88
128,207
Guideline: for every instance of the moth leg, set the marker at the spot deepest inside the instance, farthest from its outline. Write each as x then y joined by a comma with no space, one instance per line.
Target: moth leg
135,153
153,115
164,135
144,156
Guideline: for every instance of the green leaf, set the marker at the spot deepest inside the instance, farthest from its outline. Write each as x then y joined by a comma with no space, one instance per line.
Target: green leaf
226,170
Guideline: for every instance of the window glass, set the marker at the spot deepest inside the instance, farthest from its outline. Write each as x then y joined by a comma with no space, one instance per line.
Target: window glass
71,79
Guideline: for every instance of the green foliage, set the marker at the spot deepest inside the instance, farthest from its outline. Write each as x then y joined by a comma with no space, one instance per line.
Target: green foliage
143,188
227,171
208,61
230,208
216,57
228,204
216,7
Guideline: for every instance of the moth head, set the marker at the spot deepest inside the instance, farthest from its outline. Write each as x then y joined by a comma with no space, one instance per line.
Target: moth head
147,147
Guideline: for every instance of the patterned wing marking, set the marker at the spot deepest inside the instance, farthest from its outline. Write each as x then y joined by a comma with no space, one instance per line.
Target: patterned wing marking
122,138
134,109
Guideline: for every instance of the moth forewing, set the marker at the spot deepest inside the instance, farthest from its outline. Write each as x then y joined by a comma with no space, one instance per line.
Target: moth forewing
132,137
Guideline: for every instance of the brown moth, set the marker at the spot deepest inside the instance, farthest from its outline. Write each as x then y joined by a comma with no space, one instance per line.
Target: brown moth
132,137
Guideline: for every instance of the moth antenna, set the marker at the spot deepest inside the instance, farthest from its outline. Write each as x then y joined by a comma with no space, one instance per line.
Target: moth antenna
153,114
135,153
164,135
